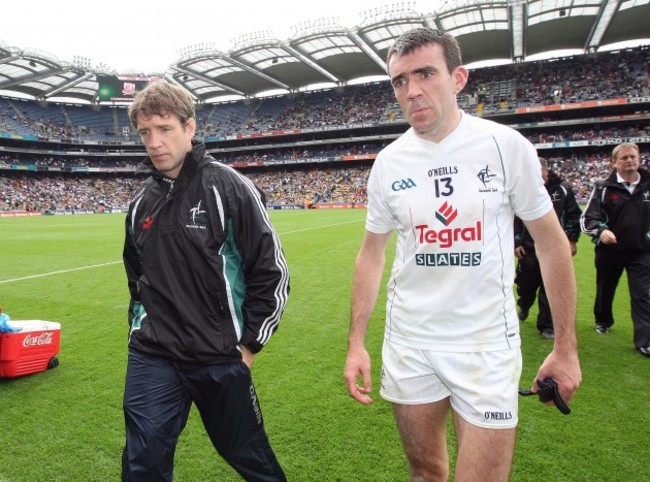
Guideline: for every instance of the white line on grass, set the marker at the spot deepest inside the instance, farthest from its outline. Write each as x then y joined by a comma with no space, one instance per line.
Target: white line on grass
51,273
319,227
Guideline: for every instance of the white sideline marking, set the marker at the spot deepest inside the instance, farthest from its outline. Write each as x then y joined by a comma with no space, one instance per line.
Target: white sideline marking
51,273
42,275
319,227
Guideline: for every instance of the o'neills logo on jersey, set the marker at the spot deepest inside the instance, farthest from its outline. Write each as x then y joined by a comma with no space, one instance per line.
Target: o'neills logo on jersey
446,237
46,338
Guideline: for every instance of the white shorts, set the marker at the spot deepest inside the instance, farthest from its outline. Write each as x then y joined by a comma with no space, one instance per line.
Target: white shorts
482,387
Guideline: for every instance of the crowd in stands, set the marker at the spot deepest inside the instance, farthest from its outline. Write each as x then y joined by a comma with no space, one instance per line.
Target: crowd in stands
315,185
330,151
63,163
331,185
566,80
318,179
39,192
12,119
364,103
579,133
607,75
583,78
326,152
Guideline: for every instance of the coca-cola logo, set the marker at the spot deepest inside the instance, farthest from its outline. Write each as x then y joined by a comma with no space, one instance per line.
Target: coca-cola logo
46,338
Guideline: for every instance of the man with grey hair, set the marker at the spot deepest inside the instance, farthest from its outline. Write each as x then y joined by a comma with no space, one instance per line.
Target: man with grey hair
617,216
450,187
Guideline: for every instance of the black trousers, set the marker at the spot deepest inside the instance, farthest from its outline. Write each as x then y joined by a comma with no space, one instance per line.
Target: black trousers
157,399
529,285
610,264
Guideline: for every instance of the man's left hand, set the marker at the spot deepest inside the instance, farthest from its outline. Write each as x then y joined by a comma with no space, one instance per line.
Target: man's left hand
247,356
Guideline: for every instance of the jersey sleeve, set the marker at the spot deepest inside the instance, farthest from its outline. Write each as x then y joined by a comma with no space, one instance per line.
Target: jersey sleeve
378,218
529,197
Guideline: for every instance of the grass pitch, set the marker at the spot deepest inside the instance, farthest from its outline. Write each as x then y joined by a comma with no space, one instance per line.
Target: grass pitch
66,424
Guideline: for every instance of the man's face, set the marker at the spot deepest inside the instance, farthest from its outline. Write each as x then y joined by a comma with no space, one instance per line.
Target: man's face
426,91
627,161
166,140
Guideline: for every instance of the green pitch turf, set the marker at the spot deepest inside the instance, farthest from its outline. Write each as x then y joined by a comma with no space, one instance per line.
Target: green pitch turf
66,424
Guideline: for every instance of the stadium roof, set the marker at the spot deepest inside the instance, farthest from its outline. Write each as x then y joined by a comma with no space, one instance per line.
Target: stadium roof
322,52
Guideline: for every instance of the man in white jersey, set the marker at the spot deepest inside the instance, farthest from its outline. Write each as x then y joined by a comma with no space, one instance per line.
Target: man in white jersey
450,188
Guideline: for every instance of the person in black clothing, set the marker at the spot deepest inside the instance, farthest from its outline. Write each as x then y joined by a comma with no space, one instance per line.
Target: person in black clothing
529,275
208,282
617,216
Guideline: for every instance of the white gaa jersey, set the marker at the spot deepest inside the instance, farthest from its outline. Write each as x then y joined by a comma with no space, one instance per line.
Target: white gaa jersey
452,205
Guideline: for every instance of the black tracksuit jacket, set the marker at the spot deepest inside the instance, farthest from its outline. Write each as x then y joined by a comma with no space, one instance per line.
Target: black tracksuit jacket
567,210
611,206
205,268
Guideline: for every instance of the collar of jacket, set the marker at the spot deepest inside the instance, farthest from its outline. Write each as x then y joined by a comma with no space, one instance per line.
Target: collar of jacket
193,161
612,179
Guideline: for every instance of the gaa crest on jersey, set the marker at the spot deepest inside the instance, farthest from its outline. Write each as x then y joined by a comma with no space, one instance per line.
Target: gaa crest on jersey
403,184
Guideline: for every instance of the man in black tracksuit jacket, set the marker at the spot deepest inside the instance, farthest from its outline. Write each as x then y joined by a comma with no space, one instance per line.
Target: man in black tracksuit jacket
208,282
617,216
528,274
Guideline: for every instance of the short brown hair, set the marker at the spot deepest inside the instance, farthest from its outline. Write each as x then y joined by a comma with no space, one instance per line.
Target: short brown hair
412,40
160,98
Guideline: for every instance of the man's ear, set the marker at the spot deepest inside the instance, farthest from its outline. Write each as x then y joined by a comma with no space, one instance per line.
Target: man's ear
190,126
461,75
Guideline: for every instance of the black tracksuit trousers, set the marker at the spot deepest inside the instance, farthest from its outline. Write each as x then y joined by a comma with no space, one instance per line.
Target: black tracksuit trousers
157,399
529,285
610,264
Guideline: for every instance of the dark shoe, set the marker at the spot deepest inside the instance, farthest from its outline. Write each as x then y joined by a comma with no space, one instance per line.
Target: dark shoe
548,333
602,329
644,350
522,314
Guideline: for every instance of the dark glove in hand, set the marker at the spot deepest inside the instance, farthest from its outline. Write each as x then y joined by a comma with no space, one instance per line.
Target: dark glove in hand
548,392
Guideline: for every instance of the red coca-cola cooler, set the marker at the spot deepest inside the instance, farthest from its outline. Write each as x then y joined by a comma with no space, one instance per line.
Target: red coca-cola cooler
31,349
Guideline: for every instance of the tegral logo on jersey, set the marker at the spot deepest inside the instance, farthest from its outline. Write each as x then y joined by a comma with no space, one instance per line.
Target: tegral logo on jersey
198,218
446,214
448,237
445,238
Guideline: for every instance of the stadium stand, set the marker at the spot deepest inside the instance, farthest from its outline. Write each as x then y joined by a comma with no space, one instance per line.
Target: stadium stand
315,148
